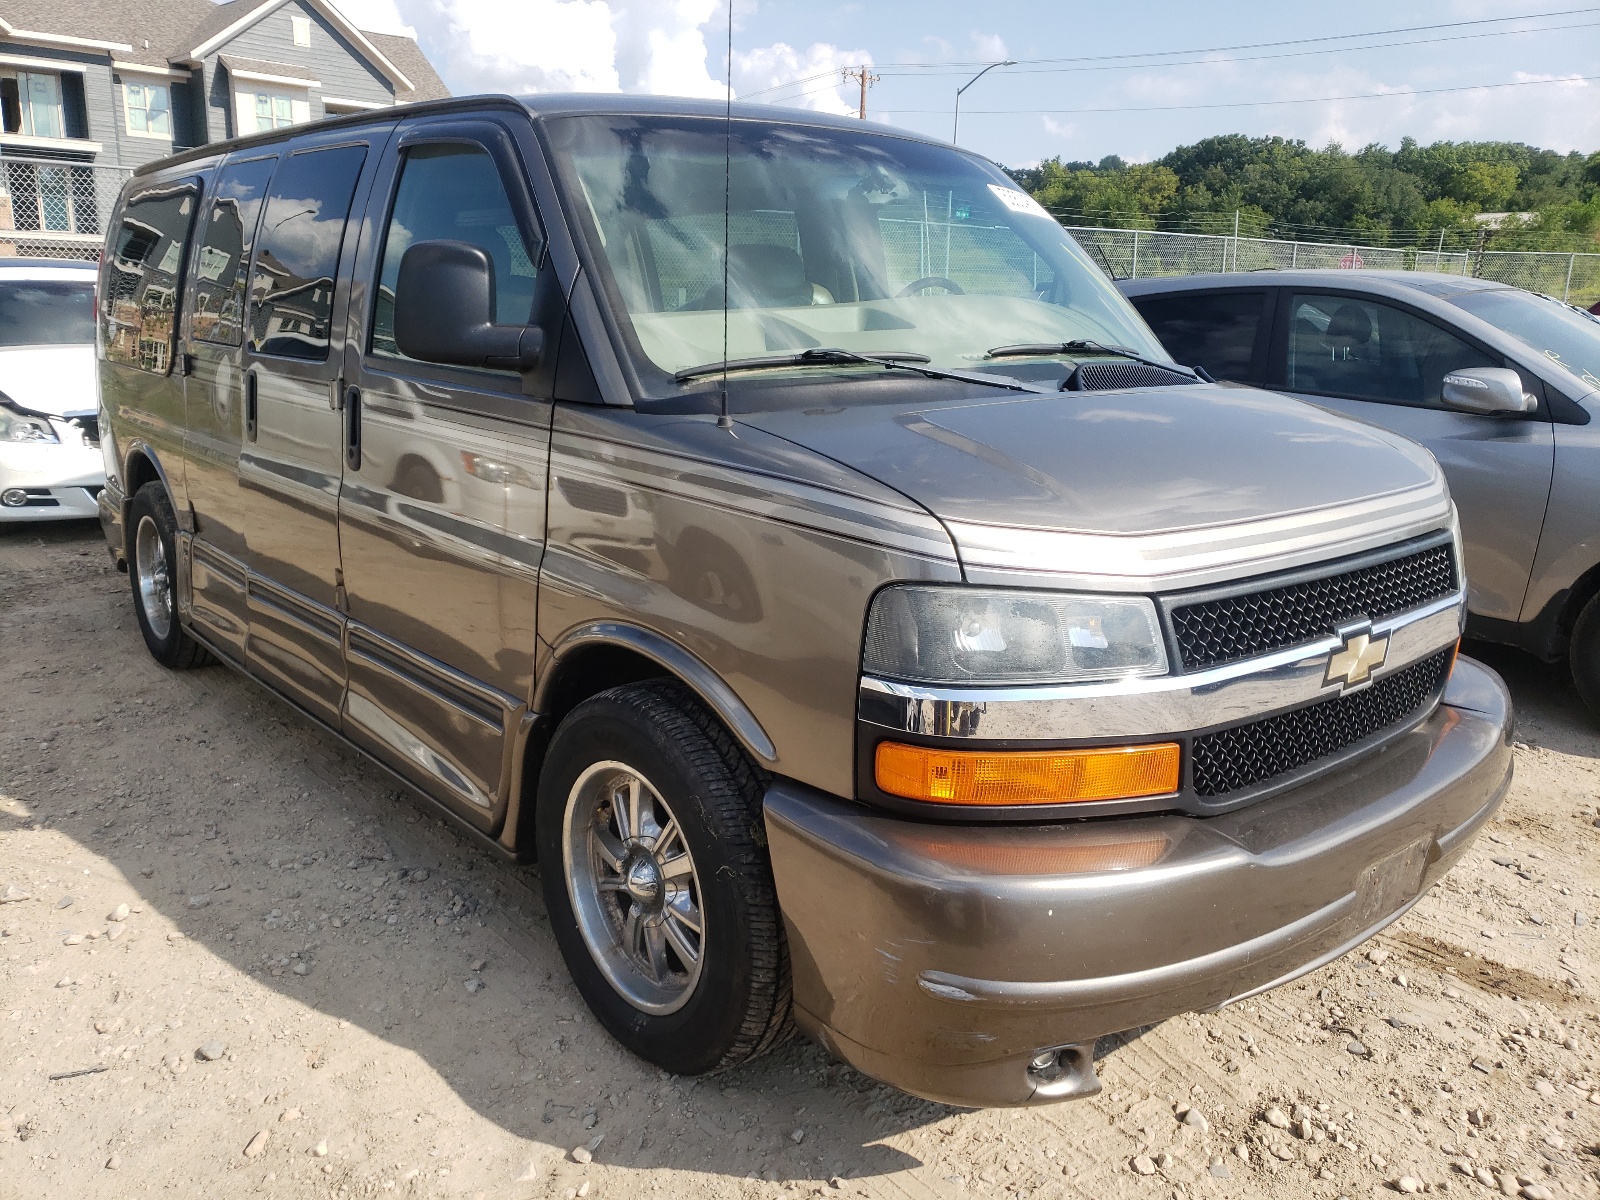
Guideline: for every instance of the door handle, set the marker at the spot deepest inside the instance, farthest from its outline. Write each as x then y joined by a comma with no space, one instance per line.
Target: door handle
250,405
352,428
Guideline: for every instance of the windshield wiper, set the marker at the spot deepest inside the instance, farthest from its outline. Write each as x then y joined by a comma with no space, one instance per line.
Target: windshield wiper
831,355
1044,349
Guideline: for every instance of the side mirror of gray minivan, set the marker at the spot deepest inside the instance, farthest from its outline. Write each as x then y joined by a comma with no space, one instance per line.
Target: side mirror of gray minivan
1492,391
444,311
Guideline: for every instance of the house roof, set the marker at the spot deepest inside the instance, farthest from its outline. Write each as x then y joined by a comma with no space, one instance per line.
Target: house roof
157,33
262,66
163,24
404,53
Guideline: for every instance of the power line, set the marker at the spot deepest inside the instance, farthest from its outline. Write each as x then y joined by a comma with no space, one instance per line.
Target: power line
1207,49
1218,62
1195,62
1476,87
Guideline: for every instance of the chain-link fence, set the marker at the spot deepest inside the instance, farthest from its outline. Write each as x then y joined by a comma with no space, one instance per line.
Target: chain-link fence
1574,278
1140,253
55,209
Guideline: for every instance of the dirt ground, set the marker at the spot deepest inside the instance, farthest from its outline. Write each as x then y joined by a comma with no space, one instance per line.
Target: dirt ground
317,989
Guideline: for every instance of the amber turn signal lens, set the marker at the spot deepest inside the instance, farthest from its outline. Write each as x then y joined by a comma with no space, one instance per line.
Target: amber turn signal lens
1026,776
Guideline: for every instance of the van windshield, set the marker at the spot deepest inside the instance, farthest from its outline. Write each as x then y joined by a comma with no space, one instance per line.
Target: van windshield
46,312
835,239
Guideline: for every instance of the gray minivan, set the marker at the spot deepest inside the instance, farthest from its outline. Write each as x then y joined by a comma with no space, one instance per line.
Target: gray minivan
1501,384
776,527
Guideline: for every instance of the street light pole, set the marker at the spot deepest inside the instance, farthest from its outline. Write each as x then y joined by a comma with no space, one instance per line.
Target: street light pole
956,129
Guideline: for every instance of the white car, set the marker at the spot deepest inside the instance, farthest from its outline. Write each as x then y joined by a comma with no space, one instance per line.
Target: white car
50,462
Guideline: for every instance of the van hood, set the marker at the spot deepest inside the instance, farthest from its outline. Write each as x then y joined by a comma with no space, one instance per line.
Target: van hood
58,380
1136,484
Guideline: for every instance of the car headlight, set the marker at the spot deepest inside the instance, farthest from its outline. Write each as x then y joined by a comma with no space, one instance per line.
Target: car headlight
19,426
985,636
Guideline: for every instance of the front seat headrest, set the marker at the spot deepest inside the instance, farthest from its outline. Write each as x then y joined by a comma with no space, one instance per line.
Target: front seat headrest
766,277
1351,326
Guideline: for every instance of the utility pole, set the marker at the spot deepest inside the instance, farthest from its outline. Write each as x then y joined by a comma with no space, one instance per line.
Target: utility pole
867,78
955,129
1236,239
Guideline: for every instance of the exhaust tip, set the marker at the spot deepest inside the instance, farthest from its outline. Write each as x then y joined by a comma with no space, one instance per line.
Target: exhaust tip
1064,1072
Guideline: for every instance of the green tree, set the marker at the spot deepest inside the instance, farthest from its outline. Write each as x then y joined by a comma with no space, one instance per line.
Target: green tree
1282,187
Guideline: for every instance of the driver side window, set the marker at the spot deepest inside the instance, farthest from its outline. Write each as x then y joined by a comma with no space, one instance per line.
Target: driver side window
1346,345
453,192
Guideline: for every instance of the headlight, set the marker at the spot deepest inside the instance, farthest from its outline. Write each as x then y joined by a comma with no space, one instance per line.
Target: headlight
983,636
17,426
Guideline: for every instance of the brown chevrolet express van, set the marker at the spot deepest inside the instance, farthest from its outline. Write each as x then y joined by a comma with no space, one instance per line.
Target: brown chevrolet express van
778,528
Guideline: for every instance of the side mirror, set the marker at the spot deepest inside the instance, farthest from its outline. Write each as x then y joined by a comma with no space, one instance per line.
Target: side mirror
444,311
1492,391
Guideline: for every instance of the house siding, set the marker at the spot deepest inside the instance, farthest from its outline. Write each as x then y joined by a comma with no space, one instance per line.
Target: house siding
96,121
338,66
202,106
132,150
218,101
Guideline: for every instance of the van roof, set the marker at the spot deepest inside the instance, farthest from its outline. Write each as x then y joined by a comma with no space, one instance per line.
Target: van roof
551,104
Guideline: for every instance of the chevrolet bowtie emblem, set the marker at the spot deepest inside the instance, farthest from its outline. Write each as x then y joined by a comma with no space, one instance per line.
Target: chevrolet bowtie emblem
1353,663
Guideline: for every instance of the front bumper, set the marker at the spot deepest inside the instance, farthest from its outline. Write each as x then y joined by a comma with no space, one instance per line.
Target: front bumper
942,959
60,478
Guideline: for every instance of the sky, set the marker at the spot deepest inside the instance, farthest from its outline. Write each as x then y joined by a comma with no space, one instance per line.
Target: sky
1149,74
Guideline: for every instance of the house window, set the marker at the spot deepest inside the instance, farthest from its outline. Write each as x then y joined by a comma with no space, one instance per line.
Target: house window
302,30
263,111
273,112
30,104
149,108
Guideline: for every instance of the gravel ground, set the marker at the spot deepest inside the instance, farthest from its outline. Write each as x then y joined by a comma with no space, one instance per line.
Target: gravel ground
235,961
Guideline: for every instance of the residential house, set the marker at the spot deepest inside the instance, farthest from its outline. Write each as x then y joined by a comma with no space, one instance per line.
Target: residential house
90,89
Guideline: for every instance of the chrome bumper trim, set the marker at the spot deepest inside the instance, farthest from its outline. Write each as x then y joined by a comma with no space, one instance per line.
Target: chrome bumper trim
1151,707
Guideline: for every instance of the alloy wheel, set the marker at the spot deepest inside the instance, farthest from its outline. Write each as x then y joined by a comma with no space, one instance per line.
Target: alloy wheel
633,886
155,583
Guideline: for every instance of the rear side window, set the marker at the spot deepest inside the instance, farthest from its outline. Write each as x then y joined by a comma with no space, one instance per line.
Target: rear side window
455,193
1214,330
1351,346
219,284
291,287
46,312
140,301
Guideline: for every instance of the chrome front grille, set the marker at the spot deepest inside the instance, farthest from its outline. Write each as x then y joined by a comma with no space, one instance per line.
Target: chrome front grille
1233,759
1228,628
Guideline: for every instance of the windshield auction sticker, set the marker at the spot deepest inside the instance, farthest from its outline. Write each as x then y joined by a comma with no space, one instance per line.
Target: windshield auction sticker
1019,202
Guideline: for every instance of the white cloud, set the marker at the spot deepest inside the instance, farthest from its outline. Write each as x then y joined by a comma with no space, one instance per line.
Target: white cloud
1562,115
662,47
531,46
375,16
762,69
991,47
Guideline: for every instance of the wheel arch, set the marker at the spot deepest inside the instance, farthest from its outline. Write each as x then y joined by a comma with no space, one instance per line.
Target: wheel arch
142,466
601,655
1584,589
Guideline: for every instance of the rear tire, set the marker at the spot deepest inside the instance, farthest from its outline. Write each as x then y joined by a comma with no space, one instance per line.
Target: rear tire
152,570
1583,655
654,865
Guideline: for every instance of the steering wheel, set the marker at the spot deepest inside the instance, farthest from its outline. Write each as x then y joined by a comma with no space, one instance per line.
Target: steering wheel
928,281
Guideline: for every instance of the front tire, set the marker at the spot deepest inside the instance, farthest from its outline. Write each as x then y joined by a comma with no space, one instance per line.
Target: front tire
152,570
1583,655
653,859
